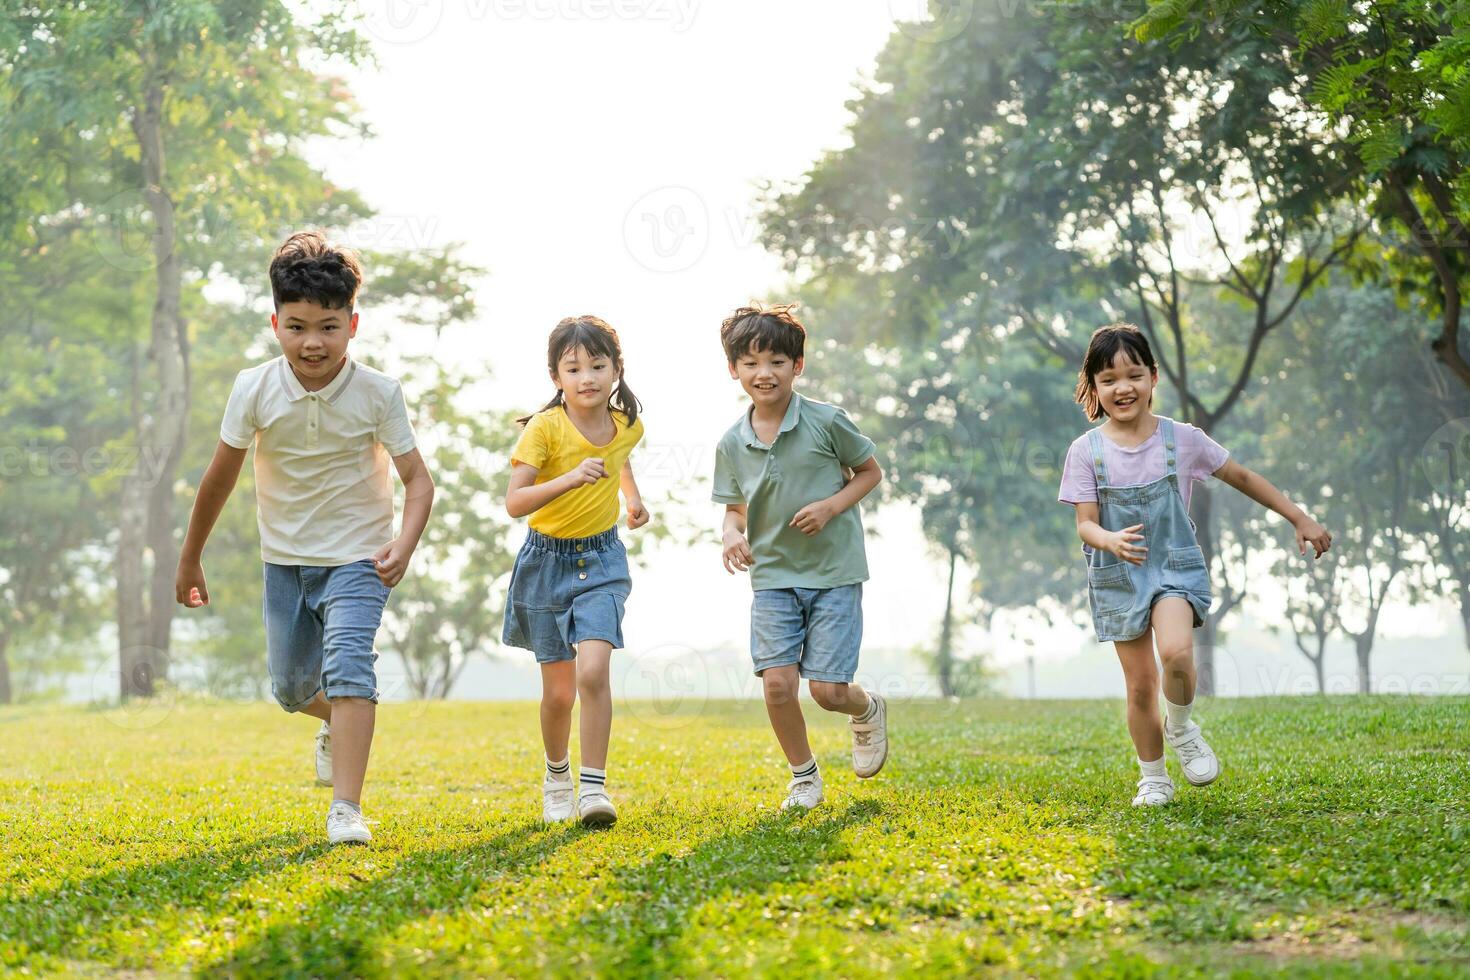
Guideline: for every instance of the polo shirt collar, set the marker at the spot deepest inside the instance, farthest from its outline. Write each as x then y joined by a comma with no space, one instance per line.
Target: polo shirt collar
329,394
793,415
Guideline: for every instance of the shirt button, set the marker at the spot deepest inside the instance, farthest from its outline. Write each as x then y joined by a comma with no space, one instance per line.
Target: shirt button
581,563
579,547
581,575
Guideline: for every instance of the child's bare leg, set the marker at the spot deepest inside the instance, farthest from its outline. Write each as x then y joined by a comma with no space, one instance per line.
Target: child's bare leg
319,708
352,737
849,699
593,665
558,694
782,688
1173,628
1141,675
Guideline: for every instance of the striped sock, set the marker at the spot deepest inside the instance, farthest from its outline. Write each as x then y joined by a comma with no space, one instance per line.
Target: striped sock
806,770
868,712
557,771
593,779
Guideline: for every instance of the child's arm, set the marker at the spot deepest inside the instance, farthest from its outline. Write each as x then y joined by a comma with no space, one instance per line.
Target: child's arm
214,489
1124,544
1259,489
737,556
813,517
418,500
526,496
637,515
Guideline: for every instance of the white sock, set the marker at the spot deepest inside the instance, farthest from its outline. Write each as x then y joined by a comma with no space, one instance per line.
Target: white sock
806,770
354,807
593,780
868,712
1155,768
559,770
1176,716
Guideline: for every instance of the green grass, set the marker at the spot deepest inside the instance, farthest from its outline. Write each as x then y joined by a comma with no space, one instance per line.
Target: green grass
999,837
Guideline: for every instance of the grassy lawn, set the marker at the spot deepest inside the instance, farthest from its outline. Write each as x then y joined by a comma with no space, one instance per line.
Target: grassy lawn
999,837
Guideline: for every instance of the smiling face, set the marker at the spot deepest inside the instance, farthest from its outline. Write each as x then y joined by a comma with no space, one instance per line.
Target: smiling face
766,375
313,338
585,380
1125,388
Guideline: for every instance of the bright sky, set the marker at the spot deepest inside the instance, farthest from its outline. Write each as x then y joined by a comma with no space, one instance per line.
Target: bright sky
603,156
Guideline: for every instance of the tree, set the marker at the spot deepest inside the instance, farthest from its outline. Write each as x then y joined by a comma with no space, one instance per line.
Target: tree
1392,75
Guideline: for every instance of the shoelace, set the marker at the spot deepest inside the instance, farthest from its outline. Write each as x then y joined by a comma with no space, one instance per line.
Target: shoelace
796,785
1190,749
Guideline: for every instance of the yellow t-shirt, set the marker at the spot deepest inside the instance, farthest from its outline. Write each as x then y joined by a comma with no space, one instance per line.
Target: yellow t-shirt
555,446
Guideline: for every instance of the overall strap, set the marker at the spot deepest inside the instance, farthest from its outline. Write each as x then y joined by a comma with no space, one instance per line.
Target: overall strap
1167,425
1095,443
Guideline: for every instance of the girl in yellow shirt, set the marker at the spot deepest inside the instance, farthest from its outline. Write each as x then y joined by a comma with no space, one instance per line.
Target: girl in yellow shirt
570,579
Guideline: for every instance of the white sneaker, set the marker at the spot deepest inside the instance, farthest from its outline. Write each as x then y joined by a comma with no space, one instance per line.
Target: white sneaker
870,740
346,826
596,809
556,798
804,793
1154,791
1198,760
324,755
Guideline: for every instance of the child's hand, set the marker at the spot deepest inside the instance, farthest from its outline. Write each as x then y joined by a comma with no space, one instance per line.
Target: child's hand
189,587
637,515
737,556
813,517
392,561
1124,545
1310,532
590,471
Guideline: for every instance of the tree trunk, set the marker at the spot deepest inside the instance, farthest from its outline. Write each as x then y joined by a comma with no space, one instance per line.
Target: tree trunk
1363,646
6,693
135,671
148,506
944,660
1204,650
1465,611
1321,668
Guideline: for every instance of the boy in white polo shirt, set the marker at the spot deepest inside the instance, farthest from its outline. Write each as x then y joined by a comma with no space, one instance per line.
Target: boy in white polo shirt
324,428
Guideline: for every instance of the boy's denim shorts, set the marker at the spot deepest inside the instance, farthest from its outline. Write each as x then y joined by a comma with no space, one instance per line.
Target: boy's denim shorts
320,622
564,591
819,630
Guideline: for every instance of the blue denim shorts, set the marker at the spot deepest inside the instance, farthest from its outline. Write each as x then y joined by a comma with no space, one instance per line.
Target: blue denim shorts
819,630
564,591
320,622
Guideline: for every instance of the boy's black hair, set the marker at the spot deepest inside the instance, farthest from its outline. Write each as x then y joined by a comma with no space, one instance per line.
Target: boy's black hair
308,267
774,329
598,339
1106,343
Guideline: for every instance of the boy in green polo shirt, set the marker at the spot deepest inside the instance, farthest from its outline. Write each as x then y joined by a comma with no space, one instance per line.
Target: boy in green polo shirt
791,521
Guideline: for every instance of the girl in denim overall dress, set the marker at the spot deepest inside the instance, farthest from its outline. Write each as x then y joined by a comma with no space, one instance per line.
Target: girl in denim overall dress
570,579
1147,583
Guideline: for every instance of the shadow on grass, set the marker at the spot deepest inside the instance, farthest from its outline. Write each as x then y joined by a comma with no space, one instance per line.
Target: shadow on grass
652,904
339,934
77,918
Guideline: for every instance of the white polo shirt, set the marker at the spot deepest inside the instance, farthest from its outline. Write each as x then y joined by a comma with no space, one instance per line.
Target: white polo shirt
322,485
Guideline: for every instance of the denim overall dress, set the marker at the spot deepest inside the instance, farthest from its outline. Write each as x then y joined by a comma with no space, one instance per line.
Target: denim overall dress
1122,595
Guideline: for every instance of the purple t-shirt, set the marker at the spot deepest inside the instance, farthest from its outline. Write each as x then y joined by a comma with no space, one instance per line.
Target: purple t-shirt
1197,456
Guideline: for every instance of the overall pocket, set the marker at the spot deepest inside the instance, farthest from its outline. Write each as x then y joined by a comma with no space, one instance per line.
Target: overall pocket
1110,587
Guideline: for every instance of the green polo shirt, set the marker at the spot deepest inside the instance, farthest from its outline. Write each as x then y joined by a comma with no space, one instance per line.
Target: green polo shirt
802,466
